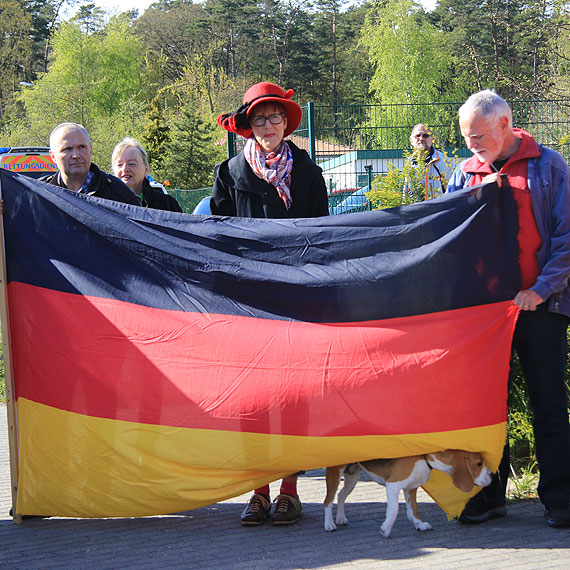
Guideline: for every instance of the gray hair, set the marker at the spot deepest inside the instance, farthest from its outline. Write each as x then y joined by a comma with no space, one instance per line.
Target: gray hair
67,127
129,142
489,105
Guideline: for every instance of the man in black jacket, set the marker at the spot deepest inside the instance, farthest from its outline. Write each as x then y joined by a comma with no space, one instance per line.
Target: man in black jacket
70,148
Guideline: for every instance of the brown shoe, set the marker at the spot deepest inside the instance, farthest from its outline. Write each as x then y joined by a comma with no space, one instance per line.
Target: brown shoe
257,511
287,510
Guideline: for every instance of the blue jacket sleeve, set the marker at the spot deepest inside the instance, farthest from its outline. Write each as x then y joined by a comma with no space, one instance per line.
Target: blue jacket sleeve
457,180
549,182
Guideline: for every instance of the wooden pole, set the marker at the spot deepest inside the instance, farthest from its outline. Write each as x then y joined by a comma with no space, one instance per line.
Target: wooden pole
8,375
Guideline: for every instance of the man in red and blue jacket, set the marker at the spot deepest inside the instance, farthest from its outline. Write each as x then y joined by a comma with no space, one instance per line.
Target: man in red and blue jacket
539,179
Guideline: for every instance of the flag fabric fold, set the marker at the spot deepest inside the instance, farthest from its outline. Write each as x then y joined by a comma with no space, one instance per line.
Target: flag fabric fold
164,361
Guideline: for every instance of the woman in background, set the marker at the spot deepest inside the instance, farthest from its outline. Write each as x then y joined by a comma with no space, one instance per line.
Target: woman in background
130,164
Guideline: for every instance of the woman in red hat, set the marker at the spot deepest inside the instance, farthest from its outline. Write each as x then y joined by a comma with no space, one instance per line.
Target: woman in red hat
270,178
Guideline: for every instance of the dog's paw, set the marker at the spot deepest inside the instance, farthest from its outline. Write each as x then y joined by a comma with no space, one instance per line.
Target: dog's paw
421,525
385,530
341,519
330,526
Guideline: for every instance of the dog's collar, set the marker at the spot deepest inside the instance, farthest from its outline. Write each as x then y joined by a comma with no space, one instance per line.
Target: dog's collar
427,461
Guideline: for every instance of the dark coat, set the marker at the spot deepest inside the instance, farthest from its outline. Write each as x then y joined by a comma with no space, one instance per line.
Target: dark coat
102,185
153,197
239,192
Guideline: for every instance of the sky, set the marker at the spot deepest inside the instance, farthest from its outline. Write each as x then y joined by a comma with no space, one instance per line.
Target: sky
142,5
124,5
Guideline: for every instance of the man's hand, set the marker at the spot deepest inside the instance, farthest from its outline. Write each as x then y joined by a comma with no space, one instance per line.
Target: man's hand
495,177
527,300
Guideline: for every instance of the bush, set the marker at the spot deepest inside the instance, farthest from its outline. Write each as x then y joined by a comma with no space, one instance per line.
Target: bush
399,187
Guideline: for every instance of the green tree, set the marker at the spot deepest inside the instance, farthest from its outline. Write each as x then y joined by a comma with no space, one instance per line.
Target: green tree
295,52
155,136
88,81
190,153
289,35
235,25
16,52
505,45
410,68
558,46
172,32
330,14
90,18
354,66
407,52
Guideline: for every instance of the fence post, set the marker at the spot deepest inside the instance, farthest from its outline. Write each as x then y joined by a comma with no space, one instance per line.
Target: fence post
231,147
311,129
368,168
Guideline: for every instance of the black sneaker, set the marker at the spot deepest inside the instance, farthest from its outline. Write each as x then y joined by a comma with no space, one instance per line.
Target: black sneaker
479,510
287,510
557,516
257,510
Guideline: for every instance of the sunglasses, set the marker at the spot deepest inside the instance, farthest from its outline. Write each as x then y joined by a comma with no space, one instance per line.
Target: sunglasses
422,136
260,120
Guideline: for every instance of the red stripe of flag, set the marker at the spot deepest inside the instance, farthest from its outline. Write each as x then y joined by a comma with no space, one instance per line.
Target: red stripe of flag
110,359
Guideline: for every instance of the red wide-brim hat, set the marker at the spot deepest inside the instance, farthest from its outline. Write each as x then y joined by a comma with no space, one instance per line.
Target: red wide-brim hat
264,92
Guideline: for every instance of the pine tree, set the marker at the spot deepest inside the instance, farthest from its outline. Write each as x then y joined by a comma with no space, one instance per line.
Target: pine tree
155,136
190,152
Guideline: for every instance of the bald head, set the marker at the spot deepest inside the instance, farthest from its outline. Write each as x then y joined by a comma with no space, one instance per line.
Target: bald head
421,137
64,128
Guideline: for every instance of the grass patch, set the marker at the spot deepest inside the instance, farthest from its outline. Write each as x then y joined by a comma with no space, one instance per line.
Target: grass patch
523,484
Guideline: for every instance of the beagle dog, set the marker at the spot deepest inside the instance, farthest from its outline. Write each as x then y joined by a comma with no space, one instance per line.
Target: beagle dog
465,468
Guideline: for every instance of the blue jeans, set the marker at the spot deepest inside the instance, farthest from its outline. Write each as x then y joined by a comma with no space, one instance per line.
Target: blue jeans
542,347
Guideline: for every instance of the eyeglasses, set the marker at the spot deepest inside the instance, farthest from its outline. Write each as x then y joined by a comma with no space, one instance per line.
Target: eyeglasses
422,136
259,120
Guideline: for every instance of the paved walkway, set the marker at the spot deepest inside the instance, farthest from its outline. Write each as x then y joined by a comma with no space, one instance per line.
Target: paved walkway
212,537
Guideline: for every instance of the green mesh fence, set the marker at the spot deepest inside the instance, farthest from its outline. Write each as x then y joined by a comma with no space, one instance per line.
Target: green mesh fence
188,199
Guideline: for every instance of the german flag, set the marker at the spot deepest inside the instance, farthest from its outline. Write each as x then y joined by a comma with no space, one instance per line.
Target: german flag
164,361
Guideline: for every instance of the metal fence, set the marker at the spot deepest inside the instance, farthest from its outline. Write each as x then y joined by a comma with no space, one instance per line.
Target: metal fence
388,127
189,199
355,143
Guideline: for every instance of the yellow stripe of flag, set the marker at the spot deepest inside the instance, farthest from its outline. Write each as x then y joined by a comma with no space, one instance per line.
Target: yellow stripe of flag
81,466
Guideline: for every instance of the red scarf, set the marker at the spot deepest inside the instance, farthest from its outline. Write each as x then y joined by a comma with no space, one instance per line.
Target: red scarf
274,167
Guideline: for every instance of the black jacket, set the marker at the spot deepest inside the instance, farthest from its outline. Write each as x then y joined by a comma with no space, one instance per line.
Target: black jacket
239,192
153,197
102,185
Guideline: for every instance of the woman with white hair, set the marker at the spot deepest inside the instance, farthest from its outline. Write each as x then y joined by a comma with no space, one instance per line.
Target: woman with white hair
130,164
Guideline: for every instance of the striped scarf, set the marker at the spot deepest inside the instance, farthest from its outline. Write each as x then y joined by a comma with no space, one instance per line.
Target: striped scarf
274,167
